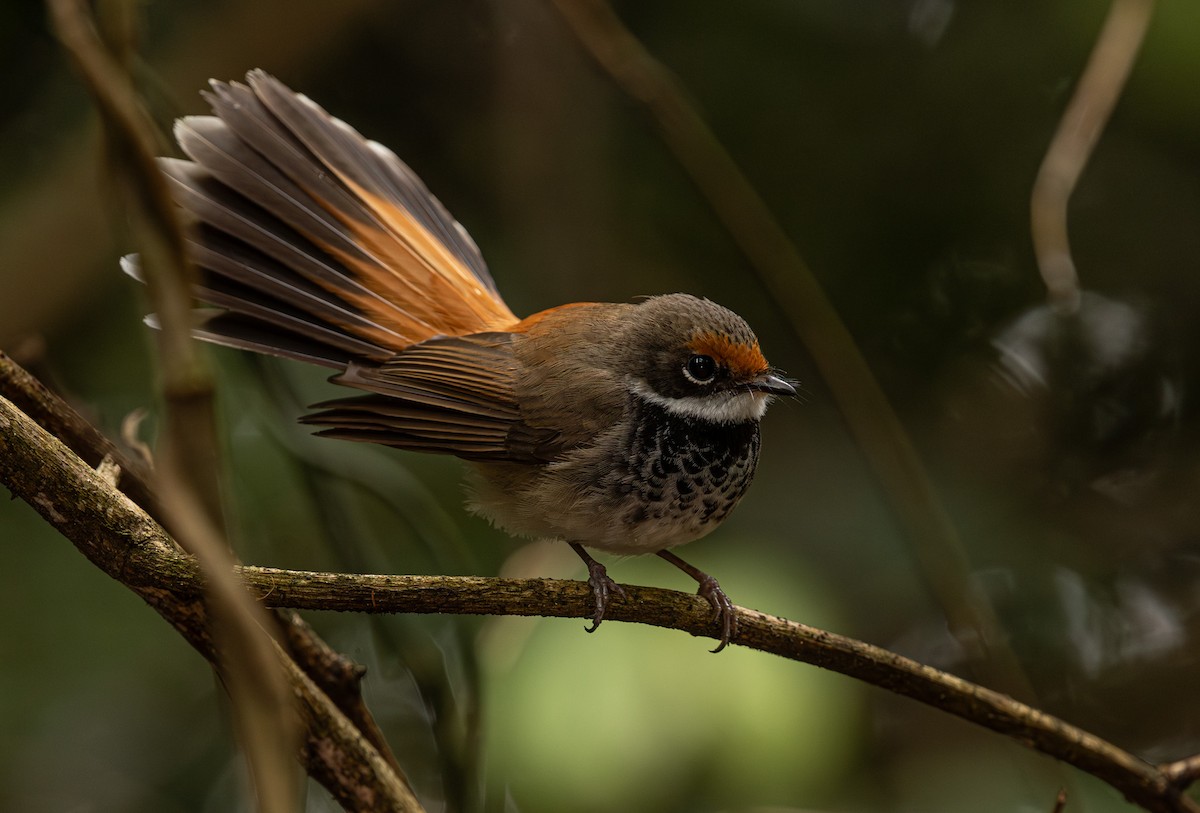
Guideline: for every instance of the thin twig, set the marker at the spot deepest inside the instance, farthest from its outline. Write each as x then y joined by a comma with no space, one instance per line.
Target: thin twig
120,539
187,477
1086,115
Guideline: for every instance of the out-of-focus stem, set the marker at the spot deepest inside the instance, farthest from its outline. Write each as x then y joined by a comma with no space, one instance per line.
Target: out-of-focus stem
1078,131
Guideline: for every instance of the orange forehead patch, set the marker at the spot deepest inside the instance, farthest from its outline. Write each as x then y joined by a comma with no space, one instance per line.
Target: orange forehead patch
743,360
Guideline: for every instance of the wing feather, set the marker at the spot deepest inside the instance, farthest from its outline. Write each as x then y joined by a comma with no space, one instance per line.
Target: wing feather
451,395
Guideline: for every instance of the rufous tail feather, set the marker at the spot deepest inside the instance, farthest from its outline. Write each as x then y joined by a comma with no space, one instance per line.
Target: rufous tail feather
315,243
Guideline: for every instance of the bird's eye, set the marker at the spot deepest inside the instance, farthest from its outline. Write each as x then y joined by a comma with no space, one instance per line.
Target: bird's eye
700,369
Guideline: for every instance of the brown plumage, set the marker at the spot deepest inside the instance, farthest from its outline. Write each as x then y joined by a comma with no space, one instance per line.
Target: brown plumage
629,428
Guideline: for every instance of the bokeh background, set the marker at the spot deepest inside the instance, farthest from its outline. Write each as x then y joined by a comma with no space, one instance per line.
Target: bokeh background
896,141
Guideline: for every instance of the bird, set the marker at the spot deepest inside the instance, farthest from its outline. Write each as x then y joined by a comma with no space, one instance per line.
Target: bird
628,428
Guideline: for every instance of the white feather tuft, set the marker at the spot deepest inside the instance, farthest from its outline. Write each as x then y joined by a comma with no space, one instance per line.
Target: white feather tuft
733,406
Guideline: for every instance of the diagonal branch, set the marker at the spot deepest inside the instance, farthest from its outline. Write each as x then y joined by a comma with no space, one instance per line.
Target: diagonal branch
120,539
315,672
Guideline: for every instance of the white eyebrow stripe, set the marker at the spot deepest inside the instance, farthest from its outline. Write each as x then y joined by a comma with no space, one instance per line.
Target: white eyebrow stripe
737,406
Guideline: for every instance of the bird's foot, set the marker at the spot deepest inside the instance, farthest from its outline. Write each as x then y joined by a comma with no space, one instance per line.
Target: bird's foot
723,610
602,588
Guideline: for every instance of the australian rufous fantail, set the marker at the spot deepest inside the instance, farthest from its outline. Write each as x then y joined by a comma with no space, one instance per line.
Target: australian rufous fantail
628,428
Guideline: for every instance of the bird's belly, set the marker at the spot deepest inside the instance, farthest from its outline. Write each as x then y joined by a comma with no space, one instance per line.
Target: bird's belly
656,488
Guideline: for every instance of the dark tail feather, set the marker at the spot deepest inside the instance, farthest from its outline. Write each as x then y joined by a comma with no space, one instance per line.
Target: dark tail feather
314,243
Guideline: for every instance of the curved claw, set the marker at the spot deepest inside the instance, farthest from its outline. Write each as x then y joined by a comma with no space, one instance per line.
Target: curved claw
723,609
602,587
710,591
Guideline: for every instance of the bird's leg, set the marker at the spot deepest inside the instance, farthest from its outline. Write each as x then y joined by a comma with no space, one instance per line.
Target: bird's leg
602,586
711,592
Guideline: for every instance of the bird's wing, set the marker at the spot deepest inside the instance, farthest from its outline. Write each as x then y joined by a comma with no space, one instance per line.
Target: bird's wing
451,395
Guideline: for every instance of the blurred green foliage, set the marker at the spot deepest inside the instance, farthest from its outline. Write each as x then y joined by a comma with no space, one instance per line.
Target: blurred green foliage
897,143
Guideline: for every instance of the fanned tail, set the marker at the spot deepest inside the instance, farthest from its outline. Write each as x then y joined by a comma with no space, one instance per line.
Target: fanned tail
315,243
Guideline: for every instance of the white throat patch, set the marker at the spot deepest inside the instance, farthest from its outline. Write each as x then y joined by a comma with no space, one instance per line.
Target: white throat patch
730,406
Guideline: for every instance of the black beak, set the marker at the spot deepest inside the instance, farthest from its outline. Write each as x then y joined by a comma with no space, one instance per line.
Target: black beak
774,385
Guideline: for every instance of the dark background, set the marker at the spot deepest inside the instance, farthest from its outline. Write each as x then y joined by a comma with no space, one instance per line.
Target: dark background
897,143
